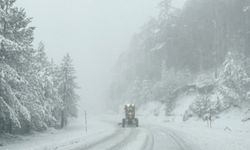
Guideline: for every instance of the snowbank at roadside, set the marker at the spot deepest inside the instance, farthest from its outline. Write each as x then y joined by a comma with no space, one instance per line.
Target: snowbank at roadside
222,136
231,119
228,130
58,139
215,138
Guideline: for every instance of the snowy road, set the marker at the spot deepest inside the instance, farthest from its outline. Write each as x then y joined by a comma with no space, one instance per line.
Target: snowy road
104,133
148,137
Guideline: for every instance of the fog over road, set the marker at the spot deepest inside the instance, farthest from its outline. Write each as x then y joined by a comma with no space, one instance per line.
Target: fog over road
94,32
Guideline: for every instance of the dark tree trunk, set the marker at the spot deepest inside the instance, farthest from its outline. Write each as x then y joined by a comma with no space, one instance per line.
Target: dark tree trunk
10,126
62,119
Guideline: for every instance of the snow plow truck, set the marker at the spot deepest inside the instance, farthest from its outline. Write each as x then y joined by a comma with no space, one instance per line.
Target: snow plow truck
130,119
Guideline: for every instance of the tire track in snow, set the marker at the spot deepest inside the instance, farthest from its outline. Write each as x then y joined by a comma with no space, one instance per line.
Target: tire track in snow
112,142
178,140
149,142
123,143
147,138
139,139
91,145
182,144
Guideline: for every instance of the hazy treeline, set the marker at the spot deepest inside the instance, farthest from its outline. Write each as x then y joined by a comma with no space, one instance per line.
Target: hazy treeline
206,44
35,93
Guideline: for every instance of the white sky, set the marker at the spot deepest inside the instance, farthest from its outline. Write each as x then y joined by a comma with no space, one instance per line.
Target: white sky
93,32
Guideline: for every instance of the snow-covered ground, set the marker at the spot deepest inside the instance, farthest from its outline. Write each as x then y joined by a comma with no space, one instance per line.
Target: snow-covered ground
212,139
220,136
60,139
156,132
228,131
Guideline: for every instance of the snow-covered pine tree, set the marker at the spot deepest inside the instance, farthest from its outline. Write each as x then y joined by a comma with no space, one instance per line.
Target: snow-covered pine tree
16,36
57,103
31,96
12,110
15,47
45,95
234,79
67,87
201,106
